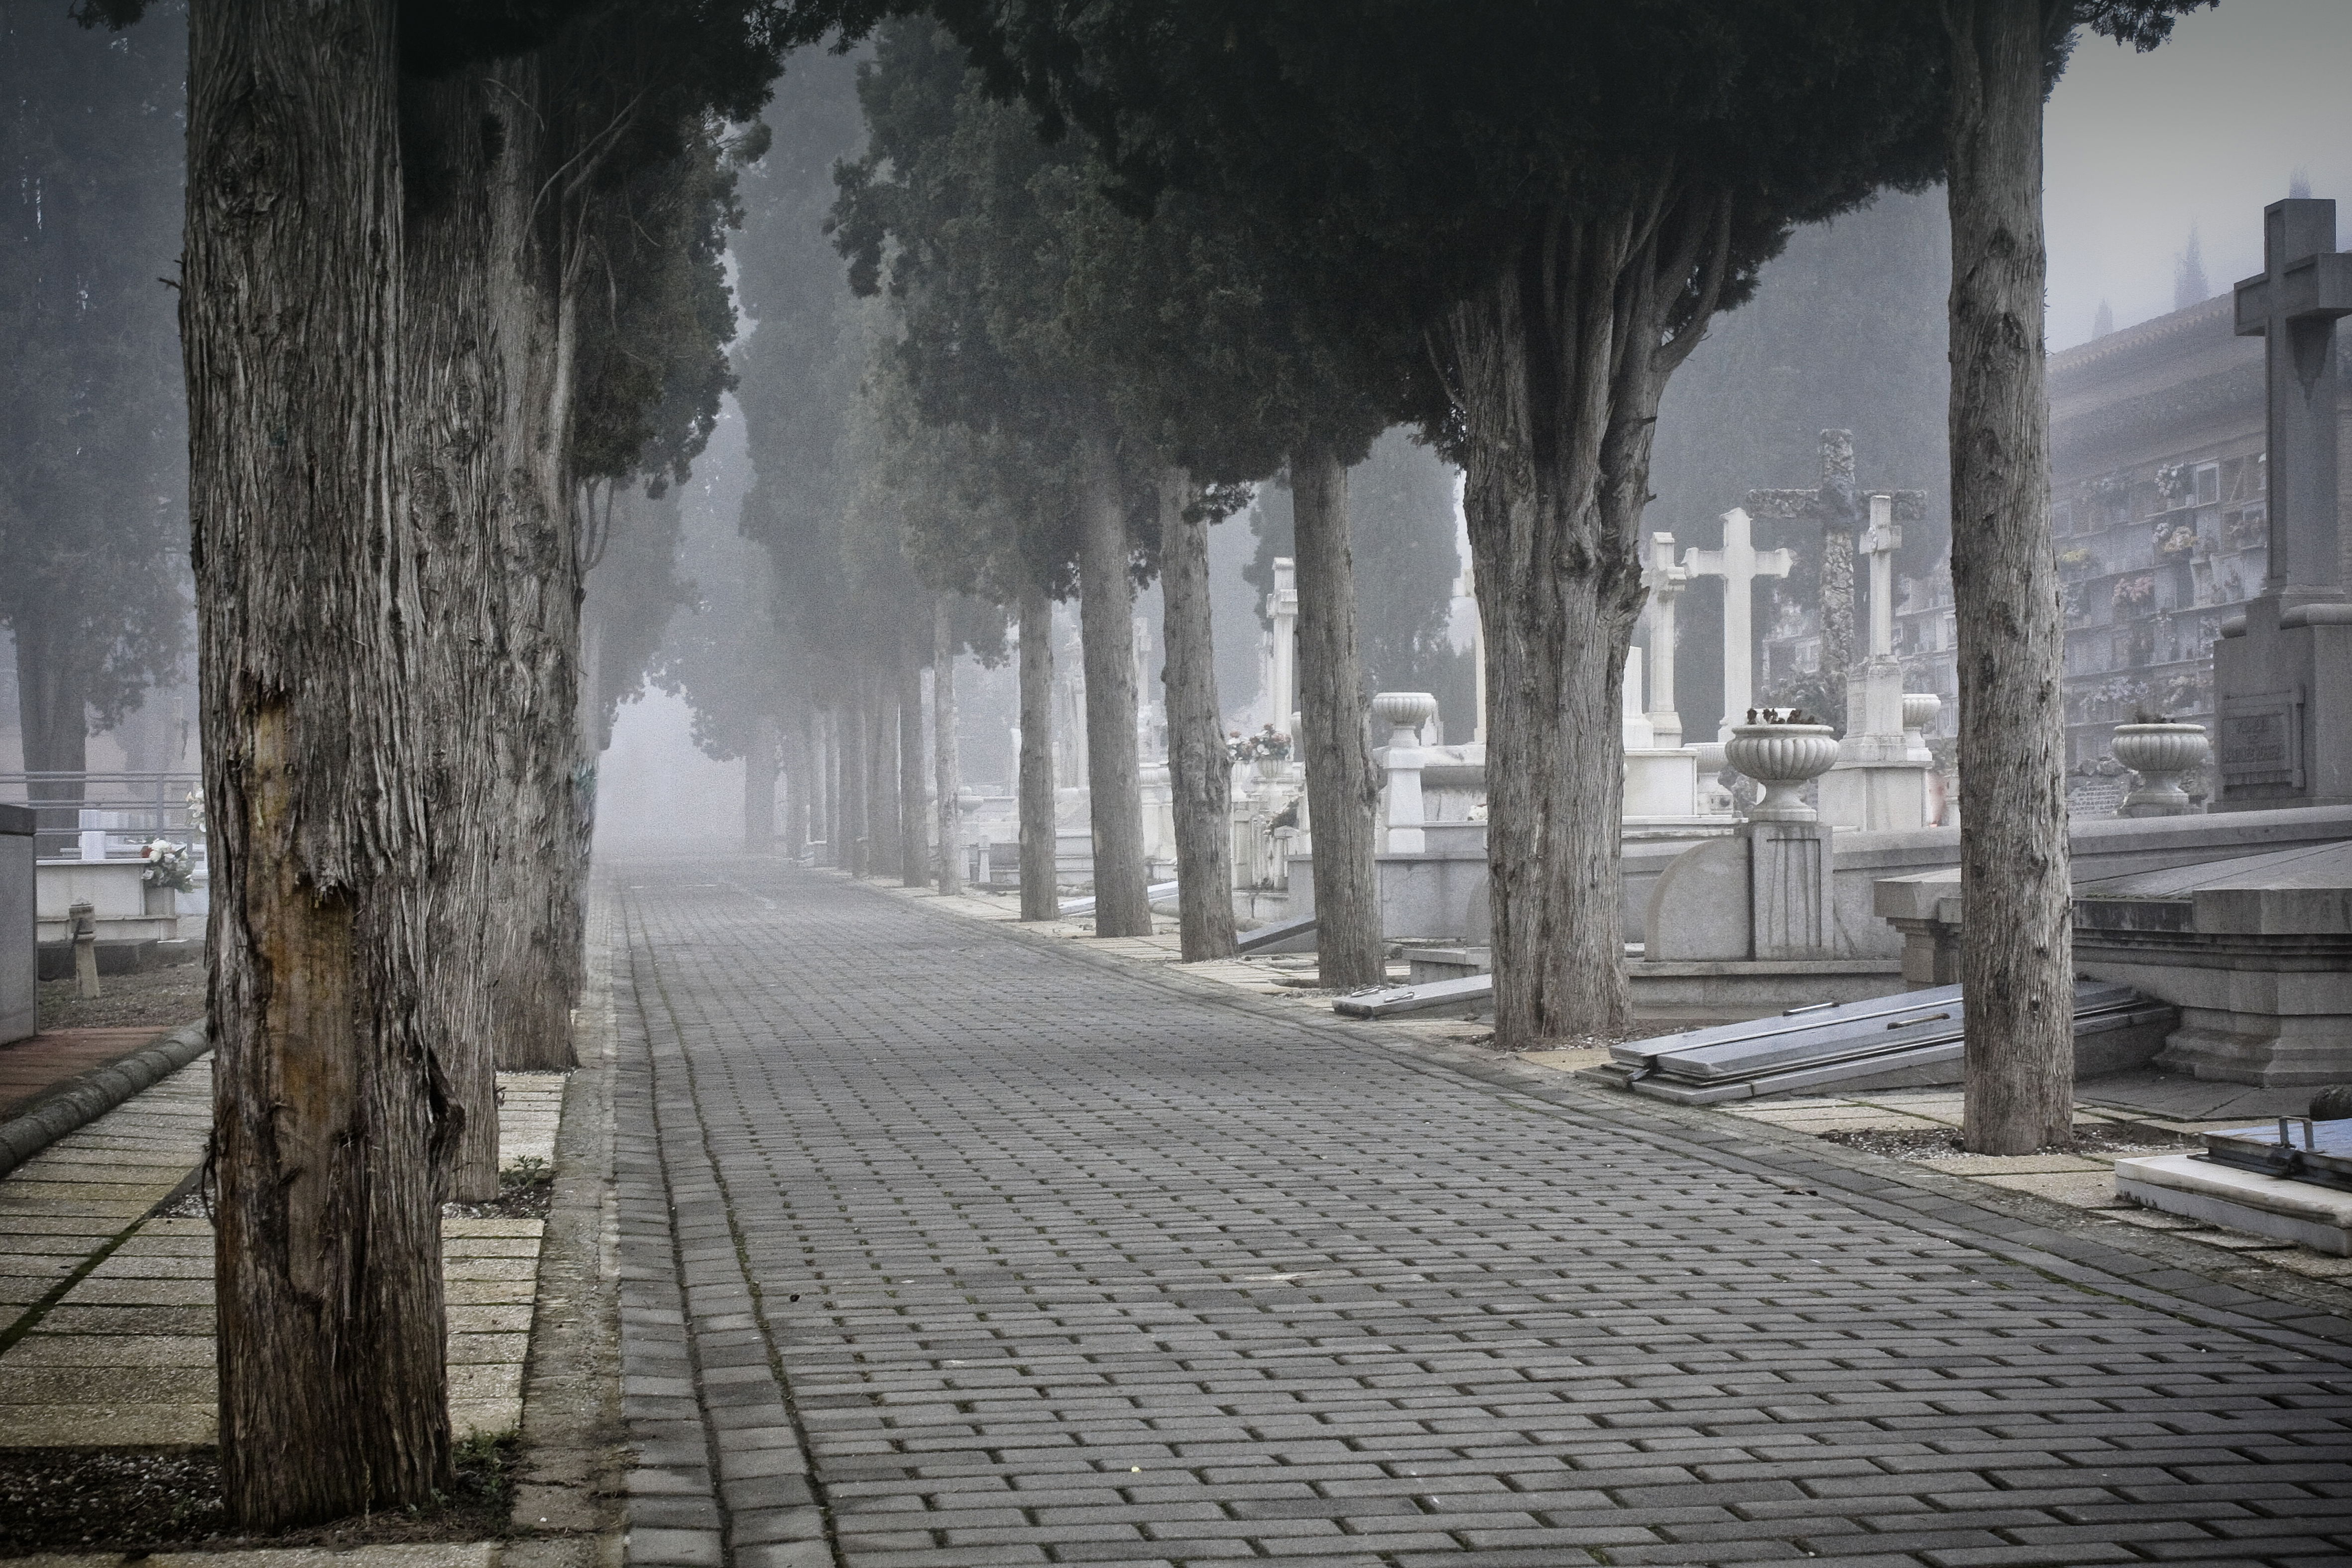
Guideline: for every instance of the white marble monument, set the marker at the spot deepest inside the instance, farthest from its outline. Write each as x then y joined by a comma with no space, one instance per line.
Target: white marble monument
1878,785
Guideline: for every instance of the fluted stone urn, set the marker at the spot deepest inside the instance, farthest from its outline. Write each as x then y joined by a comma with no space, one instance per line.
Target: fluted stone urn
1781,757
2160,754
1404,713
1920,711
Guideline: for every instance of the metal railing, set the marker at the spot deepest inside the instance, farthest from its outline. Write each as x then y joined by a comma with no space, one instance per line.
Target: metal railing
106,816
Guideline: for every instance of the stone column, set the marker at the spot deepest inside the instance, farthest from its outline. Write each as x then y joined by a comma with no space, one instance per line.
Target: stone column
1667,580
1402,812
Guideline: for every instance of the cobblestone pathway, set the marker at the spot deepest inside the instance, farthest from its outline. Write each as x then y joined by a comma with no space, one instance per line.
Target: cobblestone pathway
986,1253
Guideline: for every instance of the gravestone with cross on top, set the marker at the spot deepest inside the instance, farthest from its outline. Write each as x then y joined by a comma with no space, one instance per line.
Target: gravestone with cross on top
2283,674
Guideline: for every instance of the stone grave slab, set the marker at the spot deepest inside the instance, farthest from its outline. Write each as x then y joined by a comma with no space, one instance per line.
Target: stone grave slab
2290,1180
1281,936
1913,1039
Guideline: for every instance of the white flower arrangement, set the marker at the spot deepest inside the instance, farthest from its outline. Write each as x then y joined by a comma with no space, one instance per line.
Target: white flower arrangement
169,864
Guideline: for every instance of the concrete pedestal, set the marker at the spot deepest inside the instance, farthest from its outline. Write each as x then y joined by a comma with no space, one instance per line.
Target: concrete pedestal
2283,688
20,959
1876,797
1763,893
1661,782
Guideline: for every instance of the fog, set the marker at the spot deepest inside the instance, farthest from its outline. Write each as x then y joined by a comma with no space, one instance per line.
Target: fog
2201,132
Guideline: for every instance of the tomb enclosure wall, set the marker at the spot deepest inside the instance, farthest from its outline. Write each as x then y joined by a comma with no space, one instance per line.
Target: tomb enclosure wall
20,959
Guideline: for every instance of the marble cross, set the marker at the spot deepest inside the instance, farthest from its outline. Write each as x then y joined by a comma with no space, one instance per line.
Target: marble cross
2304,285
1880,540
1739,563
1835,506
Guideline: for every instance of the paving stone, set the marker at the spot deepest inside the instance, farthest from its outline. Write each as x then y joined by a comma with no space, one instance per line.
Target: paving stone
1065,1258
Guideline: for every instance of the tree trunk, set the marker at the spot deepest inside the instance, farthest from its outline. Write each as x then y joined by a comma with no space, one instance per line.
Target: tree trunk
1343,788
332,1110
1200,769
1040,893
820,793
947,763
544,747
850,727
760,767
799,789
1559,365
914,824
2017,949
453,374
1107,644
53,719
881,775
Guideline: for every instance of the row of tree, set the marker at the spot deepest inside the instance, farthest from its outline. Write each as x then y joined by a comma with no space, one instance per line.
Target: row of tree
1279,230
1233,239
450,298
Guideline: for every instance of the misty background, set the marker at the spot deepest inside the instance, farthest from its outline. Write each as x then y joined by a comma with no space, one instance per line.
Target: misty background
2157,167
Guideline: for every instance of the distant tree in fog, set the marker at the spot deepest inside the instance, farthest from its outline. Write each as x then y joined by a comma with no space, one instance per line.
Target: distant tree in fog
93,422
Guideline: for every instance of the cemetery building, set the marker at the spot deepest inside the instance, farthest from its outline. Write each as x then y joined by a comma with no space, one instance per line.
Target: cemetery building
2159,507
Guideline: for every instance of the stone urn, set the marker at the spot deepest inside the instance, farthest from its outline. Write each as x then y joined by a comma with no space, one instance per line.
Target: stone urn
2159,754
1404,713
1920,711
1781,757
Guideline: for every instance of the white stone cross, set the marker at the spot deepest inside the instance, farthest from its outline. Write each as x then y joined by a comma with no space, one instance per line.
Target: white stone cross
1880,540
1739,563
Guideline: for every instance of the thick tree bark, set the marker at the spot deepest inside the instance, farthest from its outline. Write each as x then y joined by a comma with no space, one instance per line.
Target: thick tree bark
761,766
1107,643
1343,788
2017,950
543,748
1040,894
947,764
331,1112
455,371
914,815
1200,769
1559,365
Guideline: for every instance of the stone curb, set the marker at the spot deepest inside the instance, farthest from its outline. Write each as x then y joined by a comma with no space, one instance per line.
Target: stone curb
87,1096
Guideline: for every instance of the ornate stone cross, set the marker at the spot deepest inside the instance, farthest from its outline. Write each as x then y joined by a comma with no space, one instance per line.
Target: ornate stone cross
1739,563
1833,504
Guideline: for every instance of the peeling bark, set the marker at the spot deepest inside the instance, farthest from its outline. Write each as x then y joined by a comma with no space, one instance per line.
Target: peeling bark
2017,947
1200,770
1343,788
1040,895
453,374
1107,643
330,1110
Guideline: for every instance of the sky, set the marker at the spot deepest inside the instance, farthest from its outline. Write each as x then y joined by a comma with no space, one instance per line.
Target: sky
2204,130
